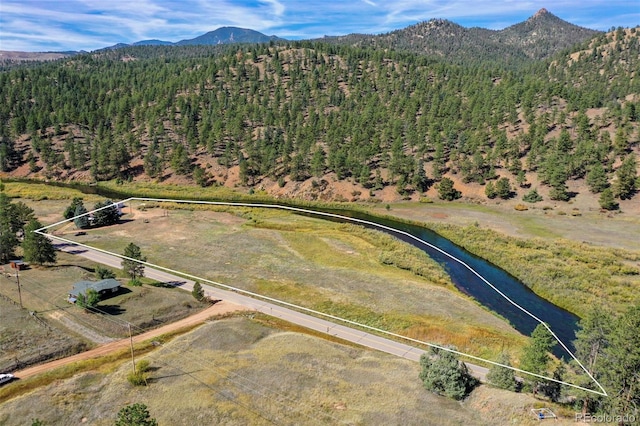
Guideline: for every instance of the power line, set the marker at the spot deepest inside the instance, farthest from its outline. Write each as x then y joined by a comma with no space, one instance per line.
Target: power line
236,379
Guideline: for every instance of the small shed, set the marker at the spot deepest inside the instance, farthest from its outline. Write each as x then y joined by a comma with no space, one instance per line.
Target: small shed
101,287
17,264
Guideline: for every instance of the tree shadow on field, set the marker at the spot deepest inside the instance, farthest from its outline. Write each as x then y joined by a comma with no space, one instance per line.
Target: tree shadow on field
168,376
112,309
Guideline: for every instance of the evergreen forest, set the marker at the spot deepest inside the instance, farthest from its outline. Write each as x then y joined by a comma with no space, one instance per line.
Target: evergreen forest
276,114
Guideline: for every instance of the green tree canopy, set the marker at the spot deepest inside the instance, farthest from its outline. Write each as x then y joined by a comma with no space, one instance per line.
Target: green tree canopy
446,190
607,201
621,364
70,211
626,182
103,273
532,196
88,300
132,265
8,239
536,355
135,415
198,291
442,373
503,188
502,377
36,247
597,178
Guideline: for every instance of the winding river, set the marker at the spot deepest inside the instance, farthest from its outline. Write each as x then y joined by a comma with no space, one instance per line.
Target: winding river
562,322
465,269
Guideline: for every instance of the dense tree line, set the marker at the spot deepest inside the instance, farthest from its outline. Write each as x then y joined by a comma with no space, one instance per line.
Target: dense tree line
304,109
17,226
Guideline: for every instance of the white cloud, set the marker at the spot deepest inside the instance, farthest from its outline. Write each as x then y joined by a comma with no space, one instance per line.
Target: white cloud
93,24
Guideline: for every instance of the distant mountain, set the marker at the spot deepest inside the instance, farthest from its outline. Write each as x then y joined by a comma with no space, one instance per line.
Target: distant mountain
229,35
543,34
223,35
152,43
540,36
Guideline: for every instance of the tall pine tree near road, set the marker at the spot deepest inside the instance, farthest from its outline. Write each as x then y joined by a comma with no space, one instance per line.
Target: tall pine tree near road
8,239
535,357
36,247
132,265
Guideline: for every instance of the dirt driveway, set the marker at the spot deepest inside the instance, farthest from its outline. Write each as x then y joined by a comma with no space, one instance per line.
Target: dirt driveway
219,308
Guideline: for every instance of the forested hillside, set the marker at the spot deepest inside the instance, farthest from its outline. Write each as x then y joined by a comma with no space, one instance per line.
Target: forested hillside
539,37
300,118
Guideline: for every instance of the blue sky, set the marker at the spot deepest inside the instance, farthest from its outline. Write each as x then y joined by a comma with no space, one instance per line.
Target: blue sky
55,25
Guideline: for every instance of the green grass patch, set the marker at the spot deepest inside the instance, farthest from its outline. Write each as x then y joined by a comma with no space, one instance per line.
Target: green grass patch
575,276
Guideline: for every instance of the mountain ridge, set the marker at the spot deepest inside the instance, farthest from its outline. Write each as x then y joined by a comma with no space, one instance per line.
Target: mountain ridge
469,39
538,37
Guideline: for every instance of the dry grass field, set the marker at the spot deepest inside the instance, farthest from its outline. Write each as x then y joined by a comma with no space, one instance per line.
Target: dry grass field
549,220
66,329
330,267
25,340
247,370
252,369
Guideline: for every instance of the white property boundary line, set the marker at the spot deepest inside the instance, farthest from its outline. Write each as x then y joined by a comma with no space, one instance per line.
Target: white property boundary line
42,231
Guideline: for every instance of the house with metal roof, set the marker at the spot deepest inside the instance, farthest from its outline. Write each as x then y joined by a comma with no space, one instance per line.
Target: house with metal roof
101,287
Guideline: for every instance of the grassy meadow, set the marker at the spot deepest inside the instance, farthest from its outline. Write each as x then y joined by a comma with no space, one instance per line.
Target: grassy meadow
343,270
576,276
247,370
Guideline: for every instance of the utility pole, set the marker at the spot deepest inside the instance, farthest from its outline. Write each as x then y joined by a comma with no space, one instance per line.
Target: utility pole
133,360
18,282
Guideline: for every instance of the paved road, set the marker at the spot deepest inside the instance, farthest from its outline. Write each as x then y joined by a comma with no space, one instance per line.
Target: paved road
318,324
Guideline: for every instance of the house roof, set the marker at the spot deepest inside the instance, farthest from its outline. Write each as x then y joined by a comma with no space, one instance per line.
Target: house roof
83,286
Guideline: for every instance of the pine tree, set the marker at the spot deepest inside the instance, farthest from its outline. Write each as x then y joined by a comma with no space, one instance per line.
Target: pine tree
442,373
607,201
446,190
36,247
105,214
535,356
592,340
132,265
502,377
597,178
532,196
626,179
621,364
197,291
8,239
490,190
70,211
503,188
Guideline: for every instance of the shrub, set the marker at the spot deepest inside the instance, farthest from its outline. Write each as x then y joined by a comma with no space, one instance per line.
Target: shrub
143,365
521,207
138,378
104,273
135,282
